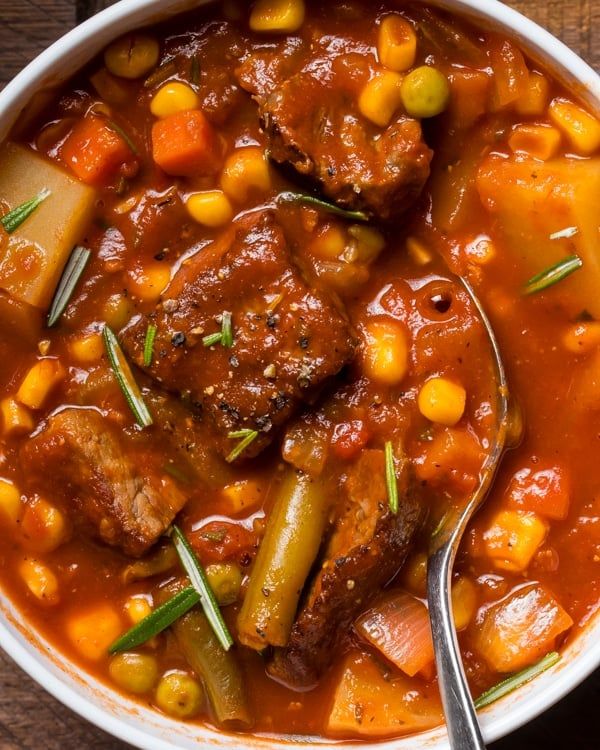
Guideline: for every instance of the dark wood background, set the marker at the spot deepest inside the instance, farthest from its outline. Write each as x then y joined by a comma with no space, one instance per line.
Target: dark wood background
32,720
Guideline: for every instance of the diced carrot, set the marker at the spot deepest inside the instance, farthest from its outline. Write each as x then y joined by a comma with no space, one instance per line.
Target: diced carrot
453,457
94,151
469,95
541,488
511,76
399,628
520,629
184,144
369,702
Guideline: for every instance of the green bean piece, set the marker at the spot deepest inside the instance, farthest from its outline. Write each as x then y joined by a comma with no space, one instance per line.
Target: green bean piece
287,552
218,669
161,560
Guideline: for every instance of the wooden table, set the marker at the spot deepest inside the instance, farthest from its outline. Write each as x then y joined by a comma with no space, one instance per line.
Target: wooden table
31,719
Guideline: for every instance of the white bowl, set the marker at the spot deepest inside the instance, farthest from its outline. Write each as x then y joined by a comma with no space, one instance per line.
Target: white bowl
94,701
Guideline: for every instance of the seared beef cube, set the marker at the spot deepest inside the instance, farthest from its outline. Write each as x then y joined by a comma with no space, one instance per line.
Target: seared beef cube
314,128
368,546
288,337
121,497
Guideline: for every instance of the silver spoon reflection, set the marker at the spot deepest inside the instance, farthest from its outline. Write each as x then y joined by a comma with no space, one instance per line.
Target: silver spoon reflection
464,732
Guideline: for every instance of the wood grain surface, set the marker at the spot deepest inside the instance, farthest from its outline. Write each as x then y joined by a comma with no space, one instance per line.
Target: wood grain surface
30,719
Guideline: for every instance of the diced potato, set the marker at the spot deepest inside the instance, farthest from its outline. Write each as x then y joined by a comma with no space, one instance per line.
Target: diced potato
87,348
540,141
93,631
329,243
40,580
16,418
243,495
529,202
11,506
580,127
369,703
464,602
520,629
37,384
38,250
534,100
512,539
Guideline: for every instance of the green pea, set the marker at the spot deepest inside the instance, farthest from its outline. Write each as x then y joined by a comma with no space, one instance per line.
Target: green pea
425,92
136,673
225,580
179,695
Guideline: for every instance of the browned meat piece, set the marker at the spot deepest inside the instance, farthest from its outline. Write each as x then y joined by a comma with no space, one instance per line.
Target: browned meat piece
368,546
125,502
288,337
315,128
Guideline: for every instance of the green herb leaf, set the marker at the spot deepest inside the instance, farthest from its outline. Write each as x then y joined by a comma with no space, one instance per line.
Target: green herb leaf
157,621
390,477
125,136
71,274
160,75
516,680
200,583
125,379
149,344
226,330
553,275
195,70
245,437
13,219
311,200
212,339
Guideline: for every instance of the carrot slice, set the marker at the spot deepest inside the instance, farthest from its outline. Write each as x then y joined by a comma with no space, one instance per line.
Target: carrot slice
541,488
185,144
94,151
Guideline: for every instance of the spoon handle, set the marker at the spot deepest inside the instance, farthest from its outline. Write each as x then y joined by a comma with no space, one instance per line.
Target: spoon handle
461,720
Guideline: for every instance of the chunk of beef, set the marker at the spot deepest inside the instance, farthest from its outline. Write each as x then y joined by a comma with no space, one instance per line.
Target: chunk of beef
122,498
368,546
315,127
288,337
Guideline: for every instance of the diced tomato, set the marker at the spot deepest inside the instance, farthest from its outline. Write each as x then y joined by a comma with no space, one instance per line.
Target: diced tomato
94,151
349,438
454,458
185,144
541,488
220,540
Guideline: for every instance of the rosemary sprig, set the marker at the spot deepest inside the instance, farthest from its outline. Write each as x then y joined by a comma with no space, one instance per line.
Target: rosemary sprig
390,478
157,621
13,219
516,680
200,583
212,339
149,344
125,379
246,437
224,336
125,136
71,274
160,75
553,275
311,200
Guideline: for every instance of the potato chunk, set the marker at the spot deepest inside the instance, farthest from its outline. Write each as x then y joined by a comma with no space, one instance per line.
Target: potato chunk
32,258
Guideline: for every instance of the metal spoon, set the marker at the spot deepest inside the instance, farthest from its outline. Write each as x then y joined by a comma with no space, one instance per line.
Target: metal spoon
463,728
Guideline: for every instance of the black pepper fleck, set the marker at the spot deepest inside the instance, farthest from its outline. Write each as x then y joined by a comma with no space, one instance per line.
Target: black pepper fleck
178,339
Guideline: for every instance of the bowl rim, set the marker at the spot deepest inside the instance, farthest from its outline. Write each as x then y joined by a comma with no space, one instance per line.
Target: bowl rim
84,41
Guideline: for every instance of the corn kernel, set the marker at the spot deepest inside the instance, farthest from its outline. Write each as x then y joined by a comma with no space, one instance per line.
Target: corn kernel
582,338
385,355
397,43
246,171
94,631
368,243
464,602
243,495
179,695
414,574
380,97
173,97
10,501
16,418
117,311
512,539
87,349
539,141
535,99
329,243
442,401
40,580
273,16
150,282
132,56
39,382
211,208
580,127
137,607
419,253
44,527
136,673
